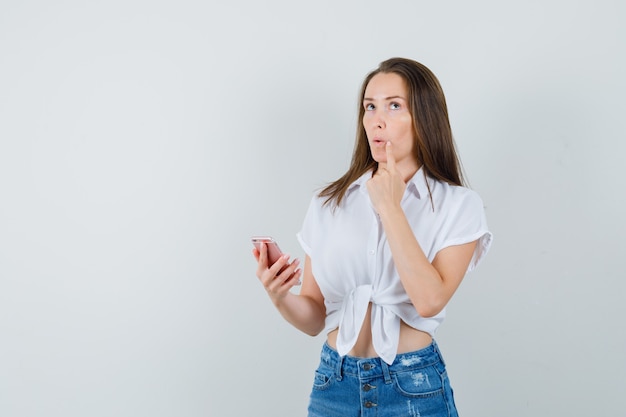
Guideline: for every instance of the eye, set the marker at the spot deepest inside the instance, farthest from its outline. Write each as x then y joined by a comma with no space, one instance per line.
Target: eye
394,106
369,106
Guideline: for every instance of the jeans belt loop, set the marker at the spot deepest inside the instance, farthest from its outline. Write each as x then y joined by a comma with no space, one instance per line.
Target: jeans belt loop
386,373
339,370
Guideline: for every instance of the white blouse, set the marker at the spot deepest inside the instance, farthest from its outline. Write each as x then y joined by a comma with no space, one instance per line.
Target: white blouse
352,264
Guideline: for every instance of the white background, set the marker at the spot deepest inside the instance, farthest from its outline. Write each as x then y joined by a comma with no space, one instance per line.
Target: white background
143,142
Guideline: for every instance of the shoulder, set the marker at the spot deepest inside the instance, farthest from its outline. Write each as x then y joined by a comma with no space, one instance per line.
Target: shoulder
463,214
318,207
330,202
451,197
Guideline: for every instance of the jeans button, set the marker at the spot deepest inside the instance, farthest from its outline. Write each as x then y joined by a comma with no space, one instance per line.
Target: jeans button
368,387
369,404
367,366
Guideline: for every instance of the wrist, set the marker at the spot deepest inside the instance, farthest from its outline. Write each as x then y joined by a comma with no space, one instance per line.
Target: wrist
389,209
279,300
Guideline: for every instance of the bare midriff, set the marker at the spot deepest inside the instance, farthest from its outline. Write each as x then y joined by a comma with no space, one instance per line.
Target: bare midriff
410,339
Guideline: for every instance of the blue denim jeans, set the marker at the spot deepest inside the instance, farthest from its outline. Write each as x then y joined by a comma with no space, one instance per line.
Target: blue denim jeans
415,384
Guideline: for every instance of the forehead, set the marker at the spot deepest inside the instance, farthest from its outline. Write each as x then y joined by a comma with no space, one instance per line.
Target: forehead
385,84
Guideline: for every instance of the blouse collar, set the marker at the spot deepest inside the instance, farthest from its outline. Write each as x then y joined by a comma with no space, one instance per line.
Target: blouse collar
416,184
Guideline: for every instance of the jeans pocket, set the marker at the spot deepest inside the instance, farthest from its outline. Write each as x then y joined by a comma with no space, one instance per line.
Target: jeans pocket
324,377
419,383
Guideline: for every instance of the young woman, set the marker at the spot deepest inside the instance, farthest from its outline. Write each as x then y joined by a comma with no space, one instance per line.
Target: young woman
386,245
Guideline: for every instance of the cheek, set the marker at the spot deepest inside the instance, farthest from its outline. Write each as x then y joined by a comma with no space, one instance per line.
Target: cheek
367,131
404,126
407,120
408,127
366,122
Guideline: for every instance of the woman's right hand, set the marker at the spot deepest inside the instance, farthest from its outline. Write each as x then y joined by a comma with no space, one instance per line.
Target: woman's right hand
279,278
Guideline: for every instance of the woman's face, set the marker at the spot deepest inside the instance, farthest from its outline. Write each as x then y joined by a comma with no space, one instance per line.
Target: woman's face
387,118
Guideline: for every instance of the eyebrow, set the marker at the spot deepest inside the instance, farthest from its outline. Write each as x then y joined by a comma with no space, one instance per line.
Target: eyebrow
386,98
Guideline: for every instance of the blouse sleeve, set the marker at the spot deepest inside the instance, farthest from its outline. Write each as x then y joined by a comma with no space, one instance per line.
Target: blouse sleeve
467,222
307,234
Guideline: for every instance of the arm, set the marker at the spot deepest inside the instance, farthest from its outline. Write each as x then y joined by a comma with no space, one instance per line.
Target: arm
305,311
429,286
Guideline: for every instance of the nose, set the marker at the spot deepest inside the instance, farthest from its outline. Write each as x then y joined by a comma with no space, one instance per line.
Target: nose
378,121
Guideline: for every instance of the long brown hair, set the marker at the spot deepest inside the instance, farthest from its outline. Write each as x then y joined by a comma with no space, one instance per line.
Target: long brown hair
433,147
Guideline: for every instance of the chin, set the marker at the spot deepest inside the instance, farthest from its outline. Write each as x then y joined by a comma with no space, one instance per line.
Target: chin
379,158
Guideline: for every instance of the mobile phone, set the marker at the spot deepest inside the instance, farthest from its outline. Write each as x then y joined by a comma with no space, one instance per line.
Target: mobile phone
273,251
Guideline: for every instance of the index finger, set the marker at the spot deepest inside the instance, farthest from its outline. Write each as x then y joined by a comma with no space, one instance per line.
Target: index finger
391,160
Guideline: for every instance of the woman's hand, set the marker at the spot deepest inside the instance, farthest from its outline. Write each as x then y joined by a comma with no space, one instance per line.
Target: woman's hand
278,278
386,187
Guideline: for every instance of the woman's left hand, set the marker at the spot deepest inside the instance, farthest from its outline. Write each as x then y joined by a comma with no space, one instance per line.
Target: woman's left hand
386,187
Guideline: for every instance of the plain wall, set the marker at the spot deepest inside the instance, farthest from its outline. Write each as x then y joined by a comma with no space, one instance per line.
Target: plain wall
143,142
